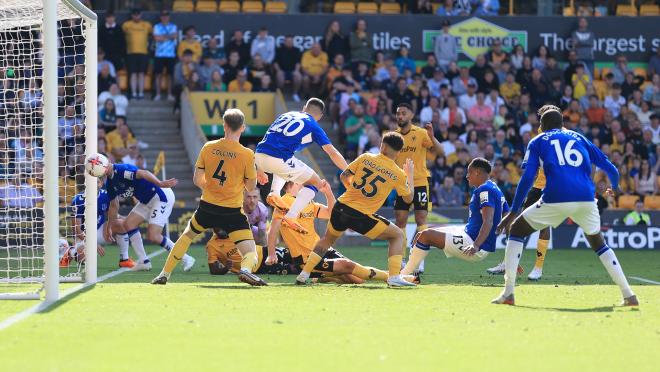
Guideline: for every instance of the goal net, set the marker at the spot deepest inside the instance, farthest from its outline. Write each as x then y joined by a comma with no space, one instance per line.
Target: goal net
24,153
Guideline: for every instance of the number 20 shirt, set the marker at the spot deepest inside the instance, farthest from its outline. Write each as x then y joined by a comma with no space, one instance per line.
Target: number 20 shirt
291,132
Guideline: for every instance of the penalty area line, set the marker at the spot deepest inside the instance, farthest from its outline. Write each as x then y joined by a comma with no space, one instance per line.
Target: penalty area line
42,306
645,280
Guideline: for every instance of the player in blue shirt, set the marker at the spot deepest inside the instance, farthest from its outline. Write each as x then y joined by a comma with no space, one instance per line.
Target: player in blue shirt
155,200
566,157
474,241
290,133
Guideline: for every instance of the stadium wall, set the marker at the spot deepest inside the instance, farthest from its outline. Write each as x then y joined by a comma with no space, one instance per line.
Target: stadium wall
636,38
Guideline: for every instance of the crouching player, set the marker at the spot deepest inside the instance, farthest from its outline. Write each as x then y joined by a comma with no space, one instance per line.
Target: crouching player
369,179
334,266
474,241
223,256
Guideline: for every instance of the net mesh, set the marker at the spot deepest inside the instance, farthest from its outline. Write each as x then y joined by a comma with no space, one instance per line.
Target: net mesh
21,142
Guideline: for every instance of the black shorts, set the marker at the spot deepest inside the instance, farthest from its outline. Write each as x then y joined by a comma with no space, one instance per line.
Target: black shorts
533,196
164,63
136,63
420,200
344,217
327,263
231,220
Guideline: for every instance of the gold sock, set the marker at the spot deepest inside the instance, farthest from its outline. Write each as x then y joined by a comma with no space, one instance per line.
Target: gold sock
394,264
405,243
312,261
418,255
249,261
380,275
361,272
176,254
541,250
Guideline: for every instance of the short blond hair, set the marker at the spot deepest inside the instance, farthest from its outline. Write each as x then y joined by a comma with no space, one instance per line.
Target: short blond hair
234,119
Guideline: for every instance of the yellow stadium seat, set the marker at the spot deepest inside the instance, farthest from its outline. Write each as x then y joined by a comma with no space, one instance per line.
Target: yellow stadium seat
206,6
569,12
182,6
276,7
367,8
122,79
344,7
229,6
626,10
604,71
627,201
253,7
649,10
390,8
640,71
652,202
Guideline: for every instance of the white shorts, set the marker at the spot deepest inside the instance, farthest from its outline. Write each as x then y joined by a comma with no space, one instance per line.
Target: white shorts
585,214
99,238
292,170
156,212
456,240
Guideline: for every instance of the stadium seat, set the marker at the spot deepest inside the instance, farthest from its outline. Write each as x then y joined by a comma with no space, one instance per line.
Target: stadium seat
627,201
206,6
122,79
253,7
652,202
640,71
276,7
649,10
182,6
344,7
229,6
604,71
626,10
569,12
367,8
390,8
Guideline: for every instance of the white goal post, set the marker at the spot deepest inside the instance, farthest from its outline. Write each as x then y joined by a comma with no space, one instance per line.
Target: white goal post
48,123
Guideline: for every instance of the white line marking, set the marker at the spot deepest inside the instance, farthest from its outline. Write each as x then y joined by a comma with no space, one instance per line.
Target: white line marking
644,280
42,306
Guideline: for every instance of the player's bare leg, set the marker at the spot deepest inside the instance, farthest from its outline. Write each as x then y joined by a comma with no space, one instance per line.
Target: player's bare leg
401,221
178,251
394,237
613,266
520,229
420,221
248,251
316,256
344,266
541,250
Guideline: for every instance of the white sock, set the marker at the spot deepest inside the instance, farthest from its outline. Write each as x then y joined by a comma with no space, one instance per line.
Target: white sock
613,267
122,242
138,246
303,275
514,248
417,255
305,195
277,184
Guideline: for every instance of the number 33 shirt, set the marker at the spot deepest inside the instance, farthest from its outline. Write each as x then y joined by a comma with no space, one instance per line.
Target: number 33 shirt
374,177
226,164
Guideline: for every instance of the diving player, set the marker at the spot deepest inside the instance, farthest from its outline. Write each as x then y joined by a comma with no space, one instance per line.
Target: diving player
474,241
224,168
567,158
290,133
369,179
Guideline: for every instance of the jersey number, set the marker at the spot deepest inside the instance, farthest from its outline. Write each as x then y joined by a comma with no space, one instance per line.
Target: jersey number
372,183
289,124
569,155
422,197
219,174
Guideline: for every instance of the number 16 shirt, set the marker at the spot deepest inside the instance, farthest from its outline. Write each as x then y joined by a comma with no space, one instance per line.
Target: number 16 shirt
226,164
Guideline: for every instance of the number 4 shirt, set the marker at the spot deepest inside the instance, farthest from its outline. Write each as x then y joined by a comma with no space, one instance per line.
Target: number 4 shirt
374,177
226,164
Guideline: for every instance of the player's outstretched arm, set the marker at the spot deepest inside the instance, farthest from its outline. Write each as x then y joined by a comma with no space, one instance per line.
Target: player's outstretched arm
77,228
146,175
437,146
273,235
113,214
335,156
487,216
250,184
199,178
324,213
346,177
409,169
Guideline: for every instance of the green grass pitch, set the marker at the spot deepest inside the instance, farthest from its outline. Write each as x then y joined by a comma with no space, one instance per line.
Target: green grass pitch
567,321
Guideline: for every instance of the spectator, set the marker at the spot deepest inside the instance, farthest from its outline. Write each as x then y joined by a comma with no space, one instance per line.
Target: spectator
266,84
540,59
105,80
190,43
431,66
215,52
524,74
165,36
263,45
133,157
654,63
445,47
453,115
67,124
237,43
595,113
538,89
404,62
630,85
118,141
112,40
645,180
510,88
614,101
583,44
580,81
494,100
120,100
19,194
637,216
652,93
449,195
402,94
551,70
182,74
104,62
620,69
355,126
335,42
207,69
478,70
488,8
360,43
496,56
489,83
481,114
314,65
232,67
469,99
256,69
460,181
287,66
437,82
137,33
426,115
363,77
645,114
517,56
240,84
194,82
215,84
108,115
460,83
447,9
572,114
500,143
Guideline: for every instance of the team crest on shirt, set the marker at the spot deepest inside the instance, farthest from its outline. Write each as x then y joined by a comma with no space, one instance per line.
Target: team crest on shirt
414,138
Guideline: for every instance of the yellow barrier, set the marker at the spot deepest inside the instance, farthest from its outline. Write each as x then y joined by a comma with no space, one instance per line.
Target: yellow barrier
208,108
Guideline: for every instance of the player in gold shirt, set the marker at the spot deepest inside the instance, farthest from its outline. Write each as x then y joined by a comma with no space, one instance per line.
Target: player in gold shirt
369,179
224,168
417,143
223,256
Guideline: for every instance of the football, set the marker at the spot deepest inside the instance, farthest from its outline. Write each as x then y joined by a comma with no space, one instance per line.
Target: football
96,165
